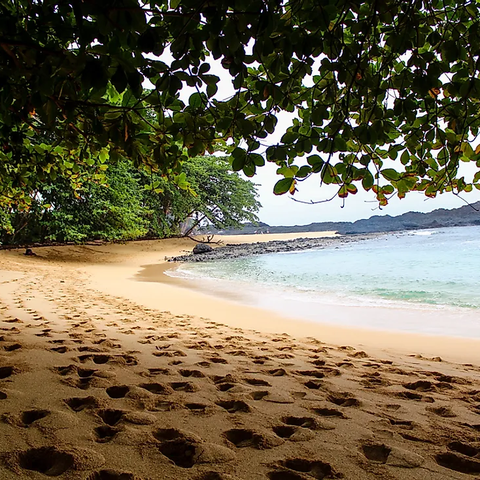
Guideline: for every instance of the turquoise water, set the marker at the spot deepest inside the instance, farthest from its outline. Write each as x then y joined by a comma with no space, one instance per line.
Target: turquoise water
430,269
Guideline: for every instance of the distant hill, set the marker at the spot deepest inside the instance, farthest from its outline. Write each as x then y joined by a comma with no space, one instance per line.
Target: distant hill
457,217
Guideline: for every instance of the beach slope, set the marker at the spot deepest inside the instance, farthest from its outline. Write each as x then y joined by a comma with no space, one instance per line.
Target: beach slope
105,377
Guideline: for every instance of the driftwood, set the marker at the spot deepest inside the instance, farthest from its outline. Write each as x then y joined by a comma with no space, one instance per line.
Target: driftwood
207,239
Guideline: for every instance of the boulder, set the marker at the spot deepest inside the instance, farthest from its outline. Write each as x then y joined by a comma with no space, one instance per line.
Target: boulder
202,248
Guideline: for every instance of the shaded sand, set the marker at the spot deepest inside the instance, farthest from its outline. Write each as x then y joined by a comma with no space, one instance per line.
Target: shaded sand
99,382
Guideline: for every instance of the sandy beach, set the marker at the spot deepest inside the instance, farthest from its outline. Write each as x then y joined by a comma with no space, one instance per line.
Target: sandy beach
108,374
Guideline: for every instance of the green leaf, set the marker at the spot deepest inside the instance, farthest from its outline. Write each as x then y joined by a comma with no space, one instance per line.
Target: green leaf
238,164
257,159
204,68
195,100
249,170
283,186
289,137
405,158
303,171
390,174
368,180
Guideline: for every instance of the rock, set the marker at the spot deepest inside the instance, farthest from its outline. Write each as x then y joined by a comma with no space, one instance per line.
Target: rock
202,248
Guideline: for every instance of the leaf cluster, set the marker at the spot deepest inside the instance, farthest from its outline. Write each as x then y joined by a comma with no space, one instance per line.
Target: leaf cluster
385,94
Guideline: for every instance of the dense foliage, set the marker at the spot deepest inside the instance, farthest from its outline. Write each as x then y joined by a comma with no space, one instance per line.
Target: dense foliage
384,95
134,204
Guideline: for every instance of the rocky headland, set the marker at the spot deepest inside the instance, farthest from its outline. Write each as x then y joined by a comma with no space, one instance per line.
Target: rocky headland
230,251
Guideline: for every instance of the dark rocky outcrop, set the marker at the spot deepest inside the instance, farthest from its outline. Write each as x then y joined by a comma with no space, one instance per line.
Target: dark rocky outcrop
246,249
202,248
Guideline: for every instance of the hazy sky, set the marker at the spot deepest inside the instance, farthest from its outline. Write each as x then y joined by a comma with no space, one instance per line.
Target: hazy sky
282,210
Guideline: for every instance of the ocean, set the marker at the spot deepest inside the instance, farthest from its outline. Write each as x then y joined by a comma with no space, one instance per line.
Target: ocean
425,281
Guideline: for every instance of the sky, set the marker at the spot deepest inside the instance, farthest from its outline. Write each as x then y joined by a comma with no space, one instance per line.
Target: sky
282,210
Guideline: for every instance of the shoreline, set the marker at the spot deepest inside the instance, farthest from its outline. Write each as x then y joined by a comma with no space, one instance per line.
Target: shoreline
113,269
216,305
325,312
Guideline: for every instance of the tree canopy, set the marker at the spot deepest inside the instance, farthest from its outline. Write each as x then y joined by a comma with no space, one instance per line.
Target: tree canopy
384,95
133,204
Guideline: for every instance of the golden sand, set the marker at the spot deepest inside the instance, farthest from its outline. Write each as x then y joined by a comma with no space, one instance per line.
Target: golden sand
106,376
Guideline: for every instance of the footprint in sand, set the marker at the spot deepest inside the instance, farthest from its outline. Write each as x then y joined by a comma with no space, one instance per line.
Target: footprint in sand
12,347
67,370
110,416
7,371
397,457
112,475
54,461
199,408
304,422
314,384
277,372
152,372
420,386
259,395
117,391
168,353
105,433
77,404
257,382
461,458
156,388
175,362
226,386
31,416
313,468
294,434
311,373
445,412
329,412
191,373
90,349
47,460
242,438
45,333
234,406
61,349
188,387
204,364
344,399
180,448
218,359
414,396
